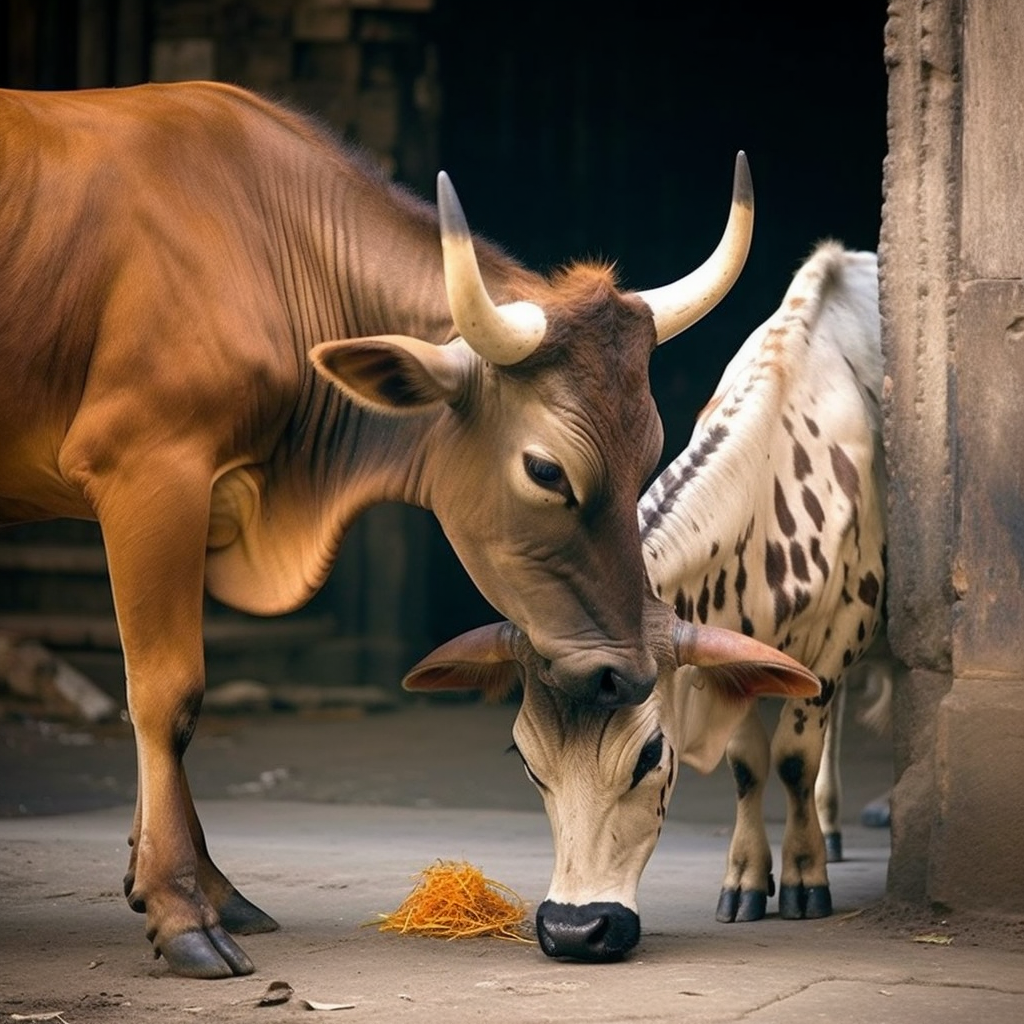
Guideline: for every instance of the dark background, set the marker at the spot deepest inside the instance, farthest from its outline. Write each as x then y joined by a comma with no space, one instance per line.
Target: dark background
613,133
610,130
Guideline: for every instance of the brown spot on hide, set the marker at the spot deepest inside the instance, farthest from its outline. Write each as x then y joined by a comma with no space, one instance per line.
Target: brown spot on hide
813,507
702,602
746,626
801,599
798,560
785,518
743,777
801,461
719,598
818,558
845,472
812,426
783,608
828,691
774,565
868,590
741,580
714,548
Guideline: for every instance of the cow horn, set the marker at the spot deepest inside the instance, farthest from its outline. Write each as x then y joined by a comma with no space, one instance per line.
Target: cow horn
681,304
502,335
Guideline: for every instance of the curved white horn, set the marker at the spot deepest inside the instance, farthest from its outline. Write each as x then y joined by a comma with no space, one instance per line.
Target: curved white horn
500,334
681,304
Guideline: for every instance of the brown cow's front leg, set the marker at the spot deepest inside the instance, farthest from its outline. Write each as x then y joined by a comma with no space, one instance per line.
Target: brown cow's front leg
155,540
796,753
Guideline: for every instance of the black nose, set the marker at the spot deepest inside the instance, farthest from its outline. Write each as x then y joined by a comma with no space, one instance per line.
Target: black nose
615,690
595,932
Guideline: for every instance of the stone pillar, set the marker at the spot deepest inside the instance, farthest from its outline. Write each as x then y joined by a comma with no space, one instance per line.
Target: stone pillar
952,257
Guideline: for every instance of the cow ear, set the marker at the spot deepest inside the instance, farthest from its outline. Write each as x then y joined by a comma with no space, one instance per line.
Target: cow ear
481,659
395,373
721,673
743,667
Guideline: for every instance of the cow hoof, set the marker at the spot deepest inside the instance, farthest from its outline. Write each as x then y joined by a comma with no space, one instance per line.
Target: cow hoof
240,917
205,954
877,813
741,905
833,847
797,902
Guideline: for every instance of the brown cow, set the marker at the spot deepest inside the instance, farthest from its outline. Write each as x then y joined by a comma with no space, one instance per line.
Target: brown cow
176,264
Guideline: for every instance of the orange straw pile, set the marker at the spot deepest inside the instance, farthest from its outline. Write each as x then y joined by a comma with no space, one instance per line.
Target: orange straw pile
453,900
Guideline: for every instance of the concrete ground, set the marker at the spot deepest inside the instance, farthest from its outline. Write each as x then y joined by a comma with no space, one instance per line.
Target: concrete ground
324,821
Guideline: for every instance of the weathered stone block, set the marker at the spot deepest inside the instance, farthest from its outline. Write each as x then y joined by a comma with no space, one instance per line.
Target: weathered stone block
979,828
993,164
989,565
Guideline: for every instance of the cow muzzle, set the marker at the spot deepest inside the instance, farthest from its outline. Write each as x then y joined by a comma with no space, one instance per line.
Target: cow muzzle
593,932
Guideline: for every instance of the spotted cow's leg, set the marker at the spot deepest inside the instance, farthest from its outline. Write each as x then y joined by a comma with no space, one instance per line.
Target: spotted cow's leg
154,531
748,881
796,753
236,913
828,791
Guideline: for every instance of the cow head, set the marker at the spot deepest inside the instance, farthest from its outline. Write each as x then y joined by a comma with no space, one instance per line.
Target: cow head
545,435
606,775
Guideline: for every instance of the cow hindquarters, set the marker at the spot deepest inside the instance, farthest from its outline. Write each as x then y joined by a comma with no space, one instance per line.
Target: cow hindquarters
748,881
155,535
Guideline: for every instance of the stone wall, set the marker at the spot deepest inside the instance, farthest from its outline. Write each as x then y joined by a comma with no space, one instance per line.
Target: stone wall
367,67
952,258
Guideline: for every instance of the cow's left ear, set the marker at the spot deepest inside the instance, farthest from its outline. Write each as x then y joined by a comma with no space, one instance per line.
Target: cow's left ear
395,373
733,670
481,659
743,667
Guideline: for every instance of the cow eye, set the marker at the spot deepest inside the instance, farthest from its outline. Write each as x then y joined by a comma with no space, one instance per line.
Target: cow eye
549,475
541,471
649,759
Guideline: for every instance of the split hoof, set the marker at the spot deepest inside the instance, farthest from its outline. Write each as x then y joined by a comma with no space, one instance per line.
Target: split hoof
797,902
739,905
205,954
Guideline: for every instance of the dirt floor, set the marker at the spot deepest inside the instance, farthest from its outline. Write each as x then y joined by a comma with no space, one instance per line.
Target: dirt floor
324,820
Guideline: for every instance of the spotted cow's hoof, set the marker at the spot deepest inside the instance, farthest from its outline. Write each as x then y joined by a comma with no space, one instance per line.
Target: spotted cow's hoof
741,905
833,847
240,917
797,902
205,954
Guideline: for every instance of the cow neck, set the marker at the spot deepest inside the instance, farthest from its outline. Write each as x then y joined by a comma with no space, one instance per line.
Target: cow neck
701,512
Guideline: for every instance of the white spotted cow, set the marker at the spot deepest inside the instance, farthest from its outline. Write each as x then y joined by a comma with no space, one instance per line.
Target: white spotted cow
770,524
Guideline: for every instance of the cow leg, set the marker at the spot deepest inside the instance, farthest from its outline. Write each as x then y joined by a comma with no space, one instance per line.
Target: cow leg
155,537
828,789
237,914
796,753
748,881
